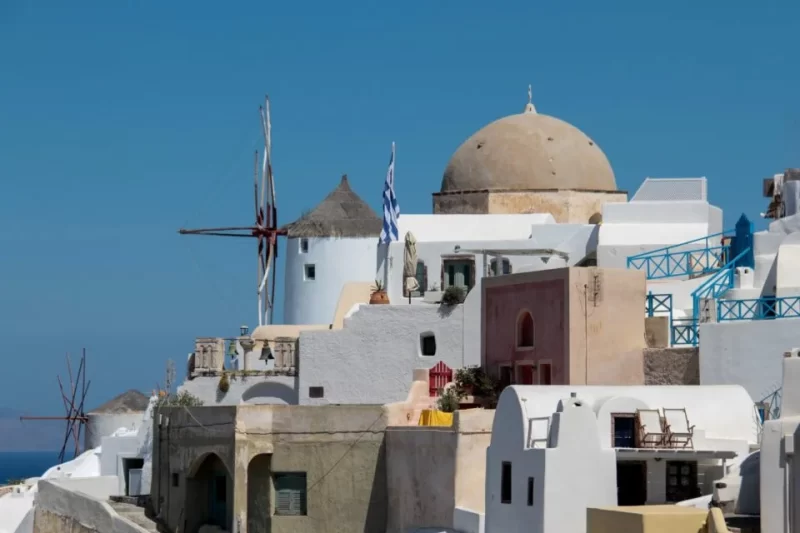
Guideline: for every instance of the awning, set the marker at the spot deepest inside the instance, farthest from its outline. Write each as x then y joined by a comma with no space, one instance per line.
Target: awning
675,454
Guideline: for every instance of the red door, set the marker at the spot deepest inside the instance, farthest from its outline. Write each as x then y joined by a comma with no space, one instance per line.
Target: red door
439,376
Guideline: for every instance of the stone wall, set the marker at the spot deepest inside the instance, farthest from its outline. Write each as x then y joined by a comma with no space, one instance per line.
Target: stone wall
671,366
61,510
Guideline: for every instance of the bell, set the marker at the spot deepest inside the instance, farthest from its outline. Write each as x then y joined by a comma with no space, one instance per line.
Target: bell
266,353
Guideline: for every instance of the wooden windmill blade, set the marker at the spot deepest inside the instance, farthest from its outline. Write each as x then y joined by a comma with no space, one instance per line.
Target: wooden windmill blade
265,228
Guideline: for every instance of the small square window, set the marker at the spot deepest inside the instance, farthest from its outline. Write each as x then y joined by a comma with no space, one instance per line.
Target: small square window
175,479
310,273
427,344
316,392
290,493
303,246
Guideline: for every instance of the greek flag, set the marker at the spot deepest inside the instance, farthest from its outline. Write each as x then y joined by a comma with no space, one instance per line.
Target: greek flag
391,210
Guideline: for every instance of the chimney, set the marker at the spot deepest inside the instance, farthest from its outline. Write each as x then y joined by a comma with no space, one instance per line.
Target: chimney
790,393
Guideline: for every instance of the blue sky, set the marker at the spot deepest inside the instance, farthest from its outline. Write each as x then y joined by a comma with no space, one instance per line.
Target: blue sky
122,121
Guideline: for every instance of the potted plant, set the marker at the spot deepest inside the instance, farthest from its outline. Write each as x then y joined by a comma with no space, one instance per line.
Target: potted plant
453,295
379,295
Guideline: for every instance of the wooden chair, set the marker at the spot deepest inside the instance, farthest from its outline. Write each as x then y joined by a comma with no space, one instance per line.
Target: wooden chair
651,429
679,432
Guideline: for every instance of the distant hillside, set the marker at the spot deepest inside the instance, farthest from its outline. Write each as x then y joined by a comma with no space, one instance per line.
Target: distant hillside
29,435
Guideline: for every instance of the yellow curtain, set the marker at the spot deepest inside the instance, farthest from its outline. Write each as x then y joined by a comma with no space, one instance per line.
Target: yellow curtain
432,417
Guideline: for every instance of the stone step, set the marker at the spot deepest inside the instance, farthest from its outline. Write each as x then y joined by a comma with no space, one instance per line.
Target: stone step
135,514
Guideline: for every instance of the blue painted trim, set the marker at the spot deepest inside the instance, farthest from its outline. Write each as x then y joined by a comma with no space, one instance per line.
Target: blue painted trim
670,262
767,308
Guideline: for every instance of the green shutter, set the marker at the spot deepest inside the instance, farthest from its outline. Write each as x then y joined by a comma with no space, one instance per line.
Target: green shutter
290,494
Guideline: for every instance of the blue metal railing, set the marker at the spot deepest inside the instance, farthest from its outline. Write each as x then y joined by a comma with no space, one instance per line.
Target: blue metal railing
758,308
658,303
717,285
703,257
684,332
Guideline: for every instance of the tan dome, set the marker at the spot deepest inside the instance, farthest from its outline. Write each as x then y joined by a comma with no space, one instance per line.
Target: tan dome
528,151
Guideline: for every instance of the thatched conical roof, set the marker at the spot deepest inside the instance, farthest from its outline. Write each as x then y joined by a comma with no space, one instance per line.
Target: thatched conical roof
131,401
341,214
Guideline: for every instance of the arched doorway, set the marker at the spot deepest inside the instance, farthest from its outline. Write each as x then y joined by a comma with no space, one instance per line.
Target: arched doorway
209,494
270,392
259,487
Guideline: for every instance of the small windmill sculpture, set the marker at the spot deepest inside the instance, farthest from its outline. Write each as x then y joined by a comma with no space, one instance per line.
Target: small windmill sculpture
266,223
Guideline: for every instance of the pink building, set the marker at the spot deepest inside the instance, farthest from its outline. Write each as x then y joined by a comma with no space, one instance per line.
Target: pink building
579,326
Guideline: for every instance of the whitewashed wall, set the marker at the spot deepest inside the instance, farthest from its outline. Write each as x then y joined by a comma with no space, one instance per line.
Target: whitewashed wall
280,390
102,425
636,227
746,352
719,413
336,261
573,472
372,359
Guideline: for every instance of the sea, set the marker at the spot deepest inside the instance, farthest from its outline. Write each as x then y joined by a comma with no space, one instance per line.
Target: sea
22,465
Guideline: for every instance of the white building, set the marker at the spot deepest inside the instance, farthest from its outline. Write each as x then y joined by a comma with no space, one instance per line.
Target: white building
526,192
531,489
753,314
693,432
372,359
121,466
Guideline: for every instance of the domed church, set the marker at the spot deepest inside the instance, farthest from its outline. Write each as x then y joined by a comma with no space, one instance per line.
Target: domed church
529,163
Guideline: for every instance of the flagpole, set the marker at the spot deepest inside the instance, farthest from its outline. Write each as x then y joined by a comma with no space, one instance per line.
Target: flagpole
386,258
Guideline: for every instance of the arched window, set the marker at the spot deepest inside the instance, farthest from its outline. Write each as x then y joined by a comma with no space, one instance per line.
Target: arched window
525,336
505,266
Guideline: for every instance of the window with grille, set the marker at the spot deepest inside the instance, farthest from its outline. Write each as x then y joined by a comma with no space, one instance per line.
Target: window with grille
290,494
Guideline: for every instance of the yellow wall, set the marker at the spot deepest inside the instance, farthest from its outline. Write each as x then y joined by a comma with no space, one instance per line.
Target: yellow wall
646,519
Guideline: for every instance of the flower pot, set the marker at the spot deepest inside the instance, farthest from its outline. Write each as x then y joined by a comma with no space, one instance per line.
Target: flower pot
378,298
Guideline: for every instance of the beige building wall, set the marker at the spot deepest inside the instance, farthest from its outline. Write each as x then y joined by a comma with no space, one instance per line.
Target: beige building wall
433,470
606,335
339,448
648,519
566,206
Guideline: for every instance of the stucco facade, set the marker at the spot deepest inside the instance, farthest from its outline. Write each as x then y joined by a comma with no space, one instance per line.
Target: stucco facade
746,352
433,471
372,359
725,427
263,468
565,326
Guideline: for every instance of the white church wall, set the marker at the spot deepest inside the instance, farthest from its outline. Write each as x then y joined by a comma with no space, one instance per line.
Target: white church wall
637,227
275,390
448,228
747,353
373,358
335,262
